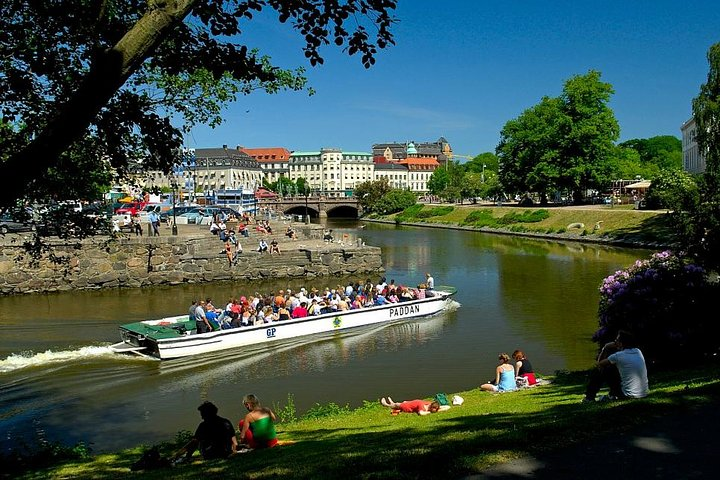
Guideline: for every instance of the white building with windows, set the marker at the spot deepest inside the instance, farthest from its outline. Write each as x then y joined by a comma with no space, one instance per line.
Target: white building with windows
693,160
331,171
395,173
223,169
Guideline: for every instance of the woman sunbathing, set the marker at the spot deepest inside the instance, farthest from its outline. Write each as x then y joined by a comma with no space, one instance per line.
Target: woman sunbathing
421,407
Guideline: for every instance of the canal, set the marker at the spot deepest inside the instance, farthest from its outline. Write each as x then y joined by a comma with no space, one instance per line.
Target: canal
60,382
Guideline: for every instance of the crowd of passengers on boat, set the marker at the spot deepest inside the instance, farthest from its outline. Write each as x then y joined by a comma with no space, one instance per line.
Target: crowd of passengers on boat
286,304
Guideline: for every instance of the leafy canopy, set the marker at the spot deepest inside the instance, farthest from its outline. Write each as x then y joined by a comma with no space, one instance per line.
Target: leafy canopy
562,143
117,81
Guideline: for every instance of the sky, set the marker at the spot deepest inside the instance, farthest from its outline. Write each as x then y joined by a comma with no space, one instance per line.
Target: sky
462,69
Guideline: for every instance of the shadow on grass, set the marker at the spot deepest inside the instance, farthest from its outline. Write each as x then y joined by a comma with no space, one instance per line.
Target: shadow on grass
657,229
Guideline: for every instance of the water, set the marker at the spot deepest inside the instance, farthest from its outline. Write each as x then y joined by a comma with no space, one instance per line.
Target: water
60,382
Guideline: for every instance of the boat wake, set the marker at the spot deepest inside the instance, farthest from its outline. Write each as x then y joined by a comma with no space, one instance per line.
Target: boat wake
24,360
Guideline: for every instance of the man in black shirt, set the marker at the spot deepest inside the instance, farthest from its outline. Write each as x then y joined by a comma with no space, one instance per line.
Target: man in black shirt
214,437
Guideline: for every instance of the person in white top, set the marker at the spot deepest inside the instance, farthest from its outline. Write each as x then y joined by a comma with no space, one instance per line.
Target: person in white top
621,365
429,282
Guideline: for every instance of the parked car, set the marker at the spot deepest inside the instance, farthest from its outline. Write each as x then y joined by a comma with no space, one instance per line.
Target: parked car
193,216
177,209
131,208
9,224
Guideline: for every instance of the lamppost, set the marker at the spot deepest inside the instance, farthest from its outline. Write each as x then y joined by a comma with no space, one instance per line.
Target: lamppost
174,186
483,173
307,194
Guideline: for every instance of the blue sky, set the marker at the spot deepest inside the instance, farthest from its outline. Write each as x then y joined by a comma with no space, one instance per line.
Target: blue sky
462,69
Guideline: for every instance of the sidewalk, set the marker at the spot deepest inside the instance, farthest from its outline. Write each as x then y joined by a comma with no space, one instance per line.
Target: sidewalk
683,446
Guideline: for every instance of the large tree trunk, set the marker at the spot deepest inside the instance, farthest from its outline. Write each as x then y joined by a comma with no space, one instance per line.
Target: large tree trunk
107,74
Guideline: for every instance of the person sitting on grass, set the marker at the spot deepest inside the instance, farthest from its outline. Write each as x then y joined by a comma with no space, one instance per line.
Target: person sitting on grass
257,429
215,436
523,368
420,407
621,365
504,377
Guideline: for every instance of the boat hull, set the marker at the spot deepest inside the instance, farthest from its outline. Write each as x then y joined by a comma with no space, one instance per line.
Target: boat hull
173,337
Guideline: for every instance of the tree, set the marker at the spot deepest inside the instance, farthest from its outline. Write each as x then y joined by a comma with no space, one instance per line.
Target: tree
370,193
700,225
438,181
562,143
528,148
675,190
122,72
394,201
664,152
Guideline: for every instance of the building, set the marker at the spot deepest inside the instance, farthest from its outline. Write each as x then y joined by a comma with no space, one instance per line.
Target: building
331,171
215,169
273,161
693,160
395,173
420,169
440,150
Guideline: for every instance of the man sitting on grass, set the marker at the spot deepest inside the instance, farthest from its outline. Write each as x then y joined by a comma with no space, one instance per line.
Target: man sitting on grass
621,366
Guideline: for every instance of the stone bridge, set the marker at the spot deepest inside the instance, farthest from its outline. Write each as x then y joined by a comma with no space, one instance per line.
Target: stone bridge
317,207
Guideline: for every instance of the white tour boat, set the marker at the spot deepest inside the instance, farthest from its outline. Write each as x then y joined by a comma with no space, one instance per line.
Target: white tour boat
175,337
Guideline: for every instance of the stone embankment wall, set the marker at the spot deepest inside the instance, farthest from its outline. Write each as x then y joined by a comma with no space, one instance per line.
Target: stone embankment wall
170,260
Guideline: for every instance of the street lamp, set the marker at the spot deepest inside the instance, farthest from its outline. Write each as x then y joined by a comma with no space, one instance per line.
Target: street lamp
307,193
174,186
483,173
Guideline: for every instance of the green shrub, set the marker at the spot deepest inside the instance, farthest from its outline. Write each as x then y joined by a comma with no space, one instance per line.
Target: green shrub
286,413
322,411
480,218
525,217
434,212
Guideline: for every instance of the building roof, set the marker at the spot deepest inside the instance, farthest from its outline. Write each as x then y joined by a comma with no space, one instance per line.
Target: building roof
419,161
268,155
387,166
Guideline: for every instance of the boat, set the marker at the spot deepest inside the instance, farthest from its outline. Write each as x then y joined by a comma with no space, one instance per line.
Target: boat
176,337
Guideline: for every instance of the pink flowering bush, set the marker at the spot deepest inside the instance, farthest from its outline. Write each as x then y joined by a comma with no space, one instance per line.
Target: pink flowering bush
664,301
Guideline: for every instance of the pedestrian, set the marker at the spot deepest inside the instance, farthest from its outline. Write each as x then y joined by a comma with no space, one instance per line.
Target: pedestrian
154,219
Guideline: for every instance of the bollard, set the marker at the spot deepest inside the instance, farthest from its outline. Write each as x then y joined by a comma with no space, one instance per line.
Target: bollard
359,242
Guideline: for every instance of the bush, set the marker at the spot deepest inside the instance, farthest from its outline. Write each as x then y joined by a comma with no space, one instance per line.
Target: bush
434,212
321,411
663,301
480,218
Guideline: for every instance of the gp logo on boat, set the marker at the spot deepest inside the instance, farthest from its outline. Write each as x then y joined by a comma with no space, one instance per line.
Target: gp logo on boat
270,332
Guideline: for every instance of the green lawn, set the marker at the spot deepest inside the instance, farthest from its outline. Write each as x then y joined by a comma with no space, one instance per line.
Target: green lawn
618,223
370,443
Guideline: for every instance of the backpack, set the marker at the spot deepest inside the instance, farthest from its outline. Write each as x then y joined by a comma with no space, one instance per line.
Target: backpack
441,398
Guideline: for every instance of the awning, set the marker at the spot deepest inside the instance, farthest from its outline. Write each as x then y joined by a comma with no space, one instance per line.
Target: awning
639,185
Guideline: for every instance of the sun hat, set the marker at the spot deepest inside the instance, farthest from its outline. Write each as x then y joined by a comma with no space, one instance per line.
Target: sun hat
457,400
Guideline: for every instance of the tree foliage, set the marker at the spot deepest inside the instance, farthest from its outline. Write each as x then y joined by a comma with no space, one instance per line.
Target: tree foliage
131,77
394,201
370,193
675,190
663,152
700,224
562,143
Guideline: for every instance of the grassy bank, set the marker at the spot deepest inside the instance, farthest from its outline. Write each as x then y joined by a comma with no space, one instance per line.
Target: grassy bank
600,223
486,429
